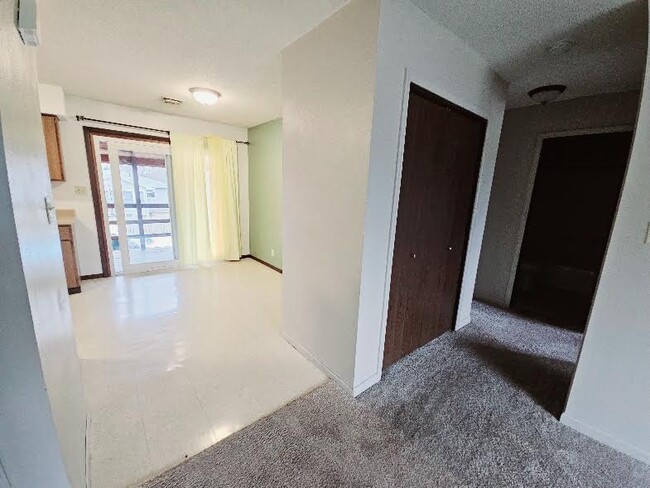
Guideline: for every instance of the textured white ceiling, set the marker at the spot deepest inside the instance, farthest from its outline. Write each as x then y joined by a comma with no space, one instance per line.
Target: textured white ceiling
132,52
513,36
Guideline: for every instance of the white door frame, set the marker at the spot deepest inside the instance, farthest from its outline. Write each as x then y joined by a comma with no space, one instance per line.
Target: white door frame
152,147
530,184
412,77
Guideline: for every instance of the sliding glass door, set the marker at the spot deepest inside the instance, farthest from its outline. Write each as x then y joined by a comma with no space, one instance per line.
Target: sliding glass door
137,199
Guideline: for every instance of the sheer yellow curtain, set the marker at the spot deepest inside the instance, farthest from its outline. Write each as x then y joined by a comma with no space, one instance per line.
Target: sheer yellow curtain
224,183
206,195
191,212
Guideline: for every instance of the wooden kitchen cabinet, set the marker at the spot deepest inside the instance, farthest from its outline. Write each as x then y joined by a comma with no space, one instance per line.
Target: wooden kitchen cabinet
53,146
69,259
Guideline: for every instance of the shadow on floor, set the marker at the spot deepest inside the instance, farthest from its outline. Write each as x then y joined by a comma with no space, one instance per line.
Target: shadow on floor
563,309
545,380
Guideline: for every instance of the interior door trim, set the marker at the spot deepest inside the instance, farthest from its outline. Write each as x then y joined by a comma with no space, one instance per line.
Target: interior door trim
412,76
91,158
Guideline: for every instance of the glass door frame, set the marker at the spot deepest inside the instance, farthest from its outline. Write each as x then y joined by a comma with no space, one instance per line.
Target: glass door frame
129,144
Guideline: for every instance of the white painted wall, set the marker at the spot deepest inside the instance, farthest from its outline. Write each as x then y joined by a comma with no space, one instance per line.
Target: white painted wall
52,99
515,173
42,416
610,395
76,165
328,89
414,47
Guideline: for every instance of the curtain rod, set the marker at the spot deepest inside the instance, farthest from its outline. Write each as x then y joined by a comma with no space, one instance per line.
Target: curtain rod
82,118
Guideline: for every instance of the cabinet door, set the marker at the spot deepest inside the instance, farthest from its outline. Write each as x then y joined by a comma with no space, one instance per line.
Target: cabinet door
70,264
53,147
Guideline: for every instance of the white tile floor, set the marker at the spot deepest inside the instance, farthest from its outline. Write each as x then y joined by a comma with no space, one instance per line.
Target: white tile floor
176,361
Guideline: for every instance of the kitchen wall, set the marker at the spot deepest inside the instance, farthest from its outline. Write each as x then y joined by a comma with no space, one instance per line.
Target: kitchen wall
413,47
515,175
42,414
265,191
75,192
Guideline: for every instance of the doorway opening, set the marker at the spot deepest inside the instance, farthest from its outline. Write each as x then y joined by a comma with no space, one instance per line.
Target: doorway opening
131,180
571,213
137,203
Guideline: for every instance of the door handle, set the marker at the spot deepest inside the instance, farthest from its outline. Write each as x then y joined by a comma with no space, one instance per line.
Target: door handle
413,255
48,210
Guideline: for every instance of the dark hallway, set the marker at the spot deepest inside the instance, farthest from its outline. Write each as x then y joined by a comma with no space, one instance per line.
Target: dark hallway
576,192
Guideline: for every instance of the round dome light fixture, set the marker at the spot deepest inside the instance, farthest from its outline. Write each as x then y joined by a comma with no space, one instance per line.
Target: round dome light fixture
547,93
205,96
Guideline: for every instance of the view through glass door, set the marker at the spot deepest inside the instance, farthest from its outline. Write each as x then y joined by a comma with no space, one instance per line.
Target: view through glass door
137,200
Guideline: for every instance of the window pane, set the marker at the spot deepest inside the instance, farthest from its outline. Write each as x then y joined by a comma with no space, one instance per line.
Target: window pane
108,183
153,183
147,215
158,228
155,249
150,185
132,229
156,213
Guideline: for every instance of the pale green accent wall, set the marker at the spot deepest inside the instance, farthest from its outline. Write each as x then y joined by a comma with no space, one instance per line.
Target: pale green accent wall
265,191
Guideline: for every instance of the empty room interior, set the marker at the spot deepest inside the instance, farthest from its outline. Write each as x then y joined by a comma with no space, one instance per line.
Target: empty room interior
329,243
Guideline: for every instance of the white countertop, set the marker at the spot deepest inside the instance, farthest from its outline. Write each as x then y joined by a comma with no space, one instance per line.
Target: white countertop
65,216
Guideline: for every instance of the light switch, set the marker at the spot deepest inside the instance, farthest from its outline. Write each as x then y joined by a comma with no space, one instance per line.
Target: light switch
81,191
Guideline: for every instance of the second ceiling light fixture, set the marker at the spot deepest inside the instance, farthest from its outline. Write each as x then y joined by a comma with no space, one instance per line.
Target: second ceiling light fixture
205,96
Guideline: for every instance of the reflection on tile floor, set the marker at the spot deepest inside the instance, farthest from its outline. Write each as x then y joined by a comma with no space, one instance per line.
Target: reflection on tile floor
176,361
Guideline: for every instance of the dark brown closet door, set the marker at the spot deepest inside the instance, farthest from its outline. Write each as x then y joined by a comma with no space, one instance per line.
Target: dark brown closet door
442,156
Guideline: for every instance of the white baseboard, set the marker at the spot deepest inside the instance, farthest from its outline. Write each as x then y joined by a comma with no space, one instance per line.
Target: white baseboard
367,383
604,438
463,321
316,362
357,390
87,453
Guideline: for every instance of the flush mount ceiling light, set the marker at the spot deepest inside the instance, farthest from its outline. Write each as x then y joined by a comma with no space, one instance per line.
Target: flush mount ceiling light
205,96
545,94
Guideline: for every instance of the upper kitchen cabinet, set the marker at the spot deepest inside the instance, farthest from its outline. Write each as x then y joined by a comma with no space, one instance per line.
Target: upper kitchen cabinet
53,146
